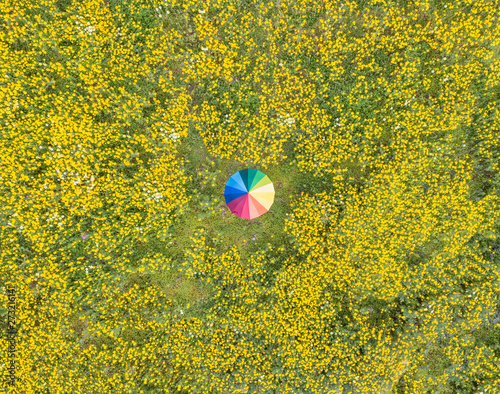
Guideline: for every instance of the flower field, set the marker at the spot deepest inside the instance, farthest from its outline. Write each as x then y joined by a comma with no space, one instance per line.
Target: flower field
377,268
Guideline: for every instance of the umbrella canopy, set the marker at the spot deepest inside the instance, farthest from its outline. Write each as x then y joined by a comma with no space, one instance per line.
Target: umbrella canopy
249,193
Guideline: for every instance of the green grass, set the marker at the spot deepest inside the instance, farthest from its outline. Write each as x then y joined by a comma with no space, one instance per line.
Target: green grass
209,177
218,222
207,209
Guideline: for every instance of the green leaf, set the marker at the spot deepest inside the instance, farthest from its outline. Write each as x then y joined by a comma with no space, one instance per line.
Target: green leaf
203,215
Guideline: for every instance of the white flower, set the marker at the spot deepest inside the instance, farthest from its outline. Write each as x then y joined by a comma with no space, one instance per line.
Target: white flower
204,49
201,12
89,29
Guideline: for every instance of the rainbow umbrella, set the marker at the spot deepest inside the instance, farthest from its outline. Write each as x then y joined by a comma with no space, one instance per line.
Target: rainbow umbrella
249,193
